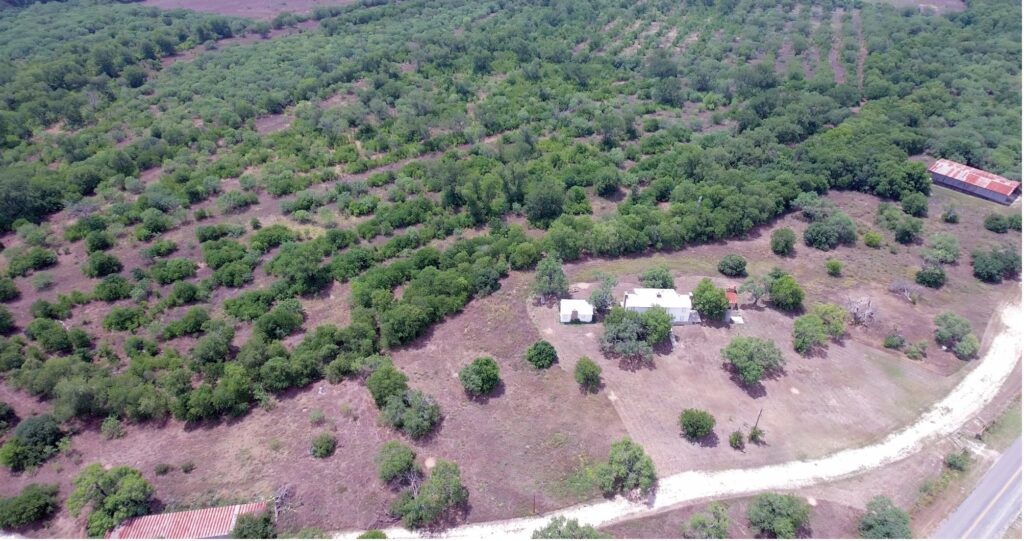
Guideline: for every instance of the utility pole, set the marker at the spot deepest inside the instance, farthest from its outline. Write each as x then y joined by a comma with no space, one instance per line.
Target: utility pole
758,418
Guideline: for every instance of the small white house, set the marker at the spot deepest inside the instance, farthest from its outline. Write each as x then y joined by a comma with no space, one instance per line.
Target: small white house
570,310
678,306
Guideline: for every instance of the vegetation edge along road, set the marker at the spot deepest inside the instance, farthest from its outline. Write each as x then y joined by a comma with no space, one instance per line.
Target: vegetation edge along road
945,417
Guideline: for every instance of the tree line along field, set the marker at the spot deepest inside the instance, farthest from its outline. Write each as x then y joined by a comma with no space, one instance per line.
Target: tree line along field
195,244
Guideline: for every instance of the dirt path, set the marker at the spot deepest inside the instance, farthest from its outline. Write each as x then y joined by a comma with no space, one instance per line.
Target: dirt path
812,56
862,48
980,386
785,53
837,47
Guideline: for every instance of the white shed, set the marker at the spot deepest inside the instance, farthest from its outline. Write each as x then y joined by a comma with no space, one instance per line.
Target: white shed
570,310
678,306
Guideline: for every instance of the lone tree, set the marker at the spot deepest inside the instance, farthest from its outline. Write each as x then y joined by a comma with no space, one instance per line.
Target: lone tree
942,248
385,382
657,277
833,318
588,375
657,324
733,265
541,354
114,496
995,264
786,294
808,333
480,377
549,279
34,442
323,445
753,358
834,267
783,241
883,520
778,515
628,469
954,331
396,462
755,286
696,424
441,493
633,335
34,503
710,301
712,523
603,297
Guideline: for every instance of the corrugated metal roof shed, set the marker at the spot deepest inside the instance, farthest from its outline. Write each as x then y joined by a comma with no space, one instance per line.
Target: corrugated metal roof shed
975,177
197,524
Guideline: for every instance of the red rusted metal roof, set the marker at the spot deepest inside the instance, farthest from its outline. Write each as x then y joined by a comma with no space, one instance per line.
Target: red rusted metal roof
975,177
197,524
731,296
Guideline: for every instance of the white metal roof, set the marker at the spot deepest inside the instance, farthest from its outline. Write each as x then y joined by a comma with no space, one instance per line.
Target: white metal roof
643,297
580,306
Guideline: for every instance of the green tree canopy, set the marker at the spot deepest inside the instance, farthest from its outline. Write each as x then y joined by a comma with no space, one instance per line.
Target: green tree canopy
883,520
753,358
778,515
549,279
114,495
710,301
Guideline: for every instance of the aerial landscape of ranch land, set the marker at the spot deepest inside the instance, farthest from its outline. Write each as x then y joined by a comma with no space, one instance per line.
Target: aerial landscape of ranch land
511,268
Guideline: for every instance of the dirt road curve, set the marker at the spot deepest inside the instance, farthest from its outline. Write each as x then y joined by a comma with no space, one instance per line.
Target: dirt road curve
944,418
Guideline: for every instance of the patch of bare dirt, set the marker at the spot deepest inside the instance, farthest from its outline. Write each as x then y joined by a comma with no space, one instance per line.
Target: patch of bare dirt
273,123
515,449
785,54
929,6
669,38
535,428
252,9
837,47
862,48
191,54
855,384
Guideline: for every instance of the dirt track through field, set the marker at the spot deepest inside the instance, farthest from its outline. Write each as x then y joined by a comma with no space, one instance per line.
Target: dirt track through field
835,53
944,418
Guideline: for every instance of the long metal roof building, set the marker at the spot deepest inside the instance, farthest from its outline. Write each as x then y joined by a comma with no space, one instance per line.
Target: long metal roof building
210,523
974,181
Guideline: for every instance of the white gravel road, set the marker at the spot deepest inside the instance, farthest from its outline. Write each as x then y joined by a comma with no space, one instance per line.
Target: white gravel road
977,388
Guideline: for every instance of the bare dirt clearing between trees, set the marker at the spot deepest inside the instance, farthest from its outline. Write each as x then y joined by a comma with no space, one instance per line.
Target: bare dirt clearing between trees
515,450
858,385
253,9
945,417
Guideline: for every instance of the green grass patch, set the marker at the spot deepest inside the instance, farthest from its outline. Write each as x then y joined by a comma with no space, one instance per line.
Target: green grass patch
1005,429
682,263
580,484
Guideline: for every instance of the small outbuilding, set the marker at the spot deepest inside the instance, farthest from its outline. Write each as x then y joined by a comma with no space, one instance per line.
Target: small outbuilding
570,310
967,179
678,306
733,298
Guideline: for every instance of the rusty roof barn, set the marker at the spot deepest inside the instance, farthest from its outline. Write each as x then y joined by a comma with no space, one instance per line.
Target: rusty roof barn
974,181
210,523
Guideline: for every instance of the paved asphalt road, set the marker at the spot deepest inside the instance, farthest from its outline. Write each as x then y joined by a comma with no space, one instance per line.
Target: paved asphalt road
994,504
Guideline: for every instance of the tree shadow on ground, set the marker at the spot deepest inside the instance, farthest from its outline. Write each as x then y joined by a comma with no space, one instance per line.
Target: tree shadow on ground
497,392
710,441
